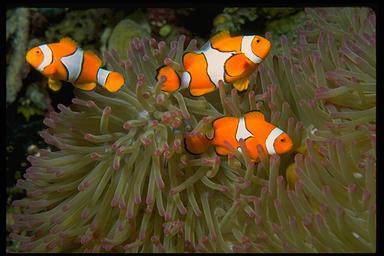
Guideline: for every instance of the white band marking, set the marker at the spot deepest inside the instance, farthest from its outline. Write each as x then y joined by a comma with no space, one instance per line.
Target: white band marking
102,76
47,57
271,139
246,48
185,79
242,132
215,62
73,64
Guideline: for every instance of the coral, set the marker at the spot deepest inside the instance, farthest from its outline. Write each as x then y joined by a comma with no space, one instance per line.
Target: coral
119,179
84,26
161,16
234,18
286,26
165,24
17,24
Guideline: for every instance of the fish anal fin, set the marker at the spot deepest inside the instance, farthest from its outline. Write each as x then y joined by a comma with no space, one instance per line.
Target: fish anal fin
196,92
237,65
54,85
94,56
254,114
241,84
222,151
86,86
68,41
220,36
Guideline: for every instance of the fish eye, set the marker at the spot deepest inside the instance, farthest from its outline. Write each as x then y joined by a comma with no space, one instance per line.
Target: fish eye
37,51
282,140
258,41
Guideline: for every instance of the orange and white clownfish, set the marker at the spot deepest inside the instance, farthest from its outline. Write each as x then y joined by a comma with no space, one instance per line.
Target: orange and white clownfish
226,58
67,62
252,128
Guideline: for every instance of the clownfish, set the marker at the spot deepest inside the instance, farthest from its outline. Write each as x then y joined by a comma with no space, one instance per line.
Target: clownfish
226,58
252,128
67,62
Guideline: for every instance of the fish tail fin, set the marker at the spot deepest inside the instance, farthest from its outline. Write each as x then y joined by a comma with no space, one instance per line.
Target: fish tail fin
113,81
172,82
196,144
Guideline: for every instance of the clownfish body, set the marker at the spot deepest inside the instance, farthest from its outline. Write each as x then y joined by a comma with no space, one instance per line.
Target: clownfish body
67,62
252,128
226,58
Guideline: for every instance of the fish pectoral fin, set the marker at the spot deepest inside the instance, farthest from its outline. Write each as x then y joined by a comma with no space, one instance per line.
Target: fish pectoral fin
237,65
50,70
241,84
54,85
86,86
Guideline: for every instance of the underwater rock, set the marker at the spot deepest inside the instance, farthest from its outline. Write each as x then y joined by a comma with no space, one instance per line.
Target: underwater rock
38,96
16,65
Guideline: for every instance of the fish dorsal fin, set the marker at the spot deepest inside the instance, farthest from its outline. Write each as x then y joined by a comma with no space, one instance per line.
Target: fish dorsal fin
94,56
68,41
254,114
220,36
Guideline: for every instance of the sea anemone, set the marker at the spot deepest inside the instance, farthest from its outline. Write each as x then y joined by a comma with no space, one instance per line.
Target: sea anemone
119,179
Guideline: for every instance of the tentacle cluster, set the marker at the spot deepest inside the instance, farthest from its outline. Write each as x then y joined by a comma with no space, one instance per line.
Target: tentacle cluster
120,180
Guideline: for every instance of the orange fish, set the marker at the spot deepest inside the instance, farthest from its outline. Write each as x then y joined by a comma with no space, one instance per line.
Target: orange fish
231,59
67,62
252,128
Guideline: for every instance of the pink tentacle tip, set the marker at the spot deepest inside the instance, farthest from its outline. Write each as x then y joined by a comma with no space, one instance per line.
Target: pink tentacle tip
146,95
116,164
140,77
91,104
107,110
154,123
167,61
167,216
167,154
95,156
146,141
160,183
88,136
149,200
137,199
127,125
